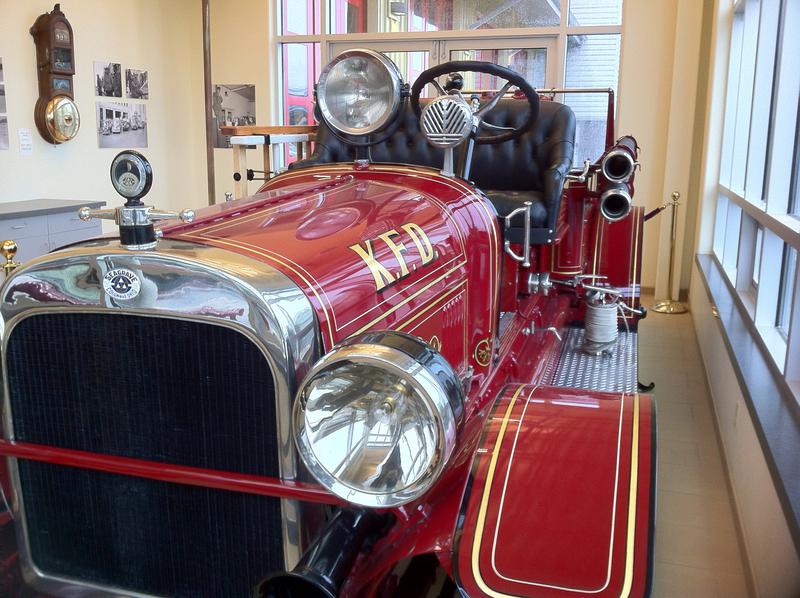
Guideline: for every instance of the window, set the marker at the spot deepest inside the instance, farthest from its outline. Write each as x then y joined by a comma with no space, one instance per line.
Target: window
757,231
757,258
592,61
788,273
566,43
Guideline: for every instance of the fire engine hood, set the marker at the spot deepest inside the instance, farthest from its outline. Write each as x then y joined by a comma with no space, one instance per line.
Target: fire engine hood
370,248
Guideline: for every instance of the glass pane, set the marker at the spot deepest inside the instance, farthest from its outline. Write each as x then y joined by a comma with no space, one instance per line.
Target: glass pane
531,63
595,12
411,64
298,17
359,16
300,69
592,61
794,194
720,221
788,270
757,255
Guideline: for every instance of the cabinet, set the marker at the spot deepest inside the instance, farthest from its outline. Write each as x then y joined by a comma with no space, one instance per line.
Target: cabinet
42,225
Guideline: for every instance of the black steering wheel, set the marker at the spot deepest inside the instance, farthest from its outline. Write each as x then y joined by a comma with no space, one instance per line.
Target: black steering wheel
477,66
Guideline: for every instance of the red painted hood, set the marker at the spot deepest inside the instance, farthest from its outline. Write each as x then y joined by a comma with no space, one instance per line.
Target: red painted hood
372,249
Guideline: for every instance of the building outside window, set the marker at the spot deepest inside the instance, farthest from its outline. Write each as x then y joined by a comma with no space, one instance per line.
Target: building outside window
553,43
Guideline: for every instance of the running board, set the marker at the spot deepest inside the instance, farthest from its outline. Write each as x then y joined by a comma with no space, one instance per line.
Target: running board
611,371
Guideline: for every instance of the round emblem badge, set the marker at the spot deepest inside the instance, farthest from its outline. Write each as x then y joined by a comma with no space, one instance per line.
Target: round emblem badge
121,284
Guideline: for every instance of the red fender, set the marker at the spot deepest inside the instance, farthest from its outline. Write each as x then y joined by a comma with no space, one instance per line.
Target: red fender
561,497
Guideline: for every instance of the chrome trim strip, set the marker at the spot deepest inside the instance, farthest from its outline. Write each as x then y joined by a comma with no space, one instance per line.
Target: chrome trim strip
181,280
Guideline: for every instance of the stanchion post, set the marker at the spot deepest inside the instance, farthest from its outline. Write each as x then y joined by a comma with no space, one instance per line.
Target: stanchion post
670,306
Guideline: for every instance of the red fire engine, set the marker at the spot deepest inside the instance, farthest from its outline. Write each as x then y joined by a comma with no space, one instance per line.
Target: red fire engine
404,367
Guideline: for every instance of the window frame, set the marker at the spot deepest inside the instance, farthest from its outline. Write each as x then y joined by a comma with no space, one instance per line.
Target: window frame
523,37
757,189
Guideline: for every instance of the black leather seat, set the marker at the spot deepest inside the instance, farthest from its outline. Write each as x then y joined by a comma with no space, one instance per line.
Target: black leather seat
531,168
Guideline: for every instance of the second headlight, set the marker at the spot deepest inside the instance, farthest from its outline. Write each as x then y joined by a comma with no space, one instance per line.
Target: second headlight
376,419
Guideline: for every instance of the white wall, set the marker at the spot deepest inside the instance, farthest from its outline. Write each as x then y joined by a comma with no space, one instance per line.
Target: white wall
161,37
648,47
241,54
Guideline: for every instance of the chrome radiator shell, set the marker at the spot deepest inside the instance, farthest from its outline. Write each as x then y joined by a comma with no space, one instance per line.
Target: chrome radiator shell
180,280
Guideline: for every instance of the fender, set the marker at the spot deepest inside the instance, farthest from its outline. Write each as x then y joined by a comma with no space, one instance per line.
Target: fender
560,501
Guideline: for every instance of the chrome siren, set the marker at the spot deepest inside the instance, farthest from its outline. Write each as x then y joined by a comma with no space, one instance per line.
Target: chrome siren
447,121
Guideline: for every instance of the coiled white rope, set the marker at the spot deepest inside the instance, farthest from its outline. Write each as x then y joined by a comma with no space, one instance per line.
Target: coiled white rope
601,322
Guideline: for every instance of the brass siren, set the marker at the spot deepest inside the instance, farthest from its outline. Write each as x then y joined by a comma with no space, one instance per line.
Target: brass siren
9,250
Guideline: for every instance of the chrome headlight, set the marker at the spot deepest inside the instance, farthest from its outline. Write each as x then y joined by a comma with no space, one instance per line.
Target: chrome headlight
375,419
359,92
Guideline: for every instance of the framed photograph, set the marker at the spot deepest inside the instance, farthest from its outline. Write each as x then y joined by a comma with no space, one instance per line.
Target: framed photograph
136,85
3,133
233,105
2,78
108,79
121,125
3,98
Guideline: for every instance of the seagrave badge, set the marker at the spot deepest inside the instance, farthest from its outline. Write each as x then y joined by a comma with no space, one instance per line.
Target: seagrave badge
121,283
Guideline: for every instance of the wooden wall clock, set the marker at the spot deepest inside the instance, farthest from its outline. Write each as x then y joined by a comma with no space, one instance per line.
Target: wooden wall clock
56,115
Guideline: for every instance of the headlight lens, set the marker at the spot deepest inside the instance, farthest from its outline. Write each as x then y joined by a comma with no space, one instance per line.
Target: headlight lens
376,418
359,92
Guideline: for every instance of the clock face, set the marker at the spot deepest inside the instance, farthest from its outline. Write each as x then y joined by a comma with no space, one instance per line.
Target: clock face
62,118
61,34
131,175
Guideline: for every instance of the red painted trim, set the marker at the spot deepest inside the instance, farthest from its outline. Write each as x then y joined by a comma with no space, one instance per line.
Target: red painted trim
167,472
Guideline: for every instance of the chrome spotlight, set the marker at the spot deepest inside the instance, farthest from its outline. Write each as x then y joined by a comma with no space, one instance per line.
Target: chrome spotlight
359,92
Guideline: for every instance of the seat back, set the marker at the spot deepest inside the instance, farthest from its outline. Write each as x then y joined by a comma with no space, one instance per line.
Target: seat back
536,161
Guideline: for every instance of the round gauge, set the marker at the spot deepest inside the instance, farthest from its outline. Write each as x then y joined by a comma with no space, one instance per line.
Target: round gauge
131,175
62,119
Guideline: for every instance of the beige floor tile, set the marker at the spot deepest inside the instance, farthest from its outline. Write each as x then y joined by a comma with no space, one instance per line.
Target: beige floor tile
676,581
677,451
697,548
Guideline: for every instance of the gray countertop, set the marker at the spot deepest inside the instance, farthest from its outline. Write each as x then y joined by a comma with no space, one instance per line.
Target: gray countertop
40,207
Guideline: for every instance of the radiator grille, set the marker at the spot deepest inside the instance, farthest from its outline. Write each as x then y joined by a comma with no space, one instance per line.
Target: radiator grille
176,391
173,391
147,536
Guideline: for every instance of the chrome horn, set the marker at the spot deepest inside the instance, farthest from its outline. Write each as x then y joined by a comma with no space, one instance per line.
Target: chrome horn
615,202
619,163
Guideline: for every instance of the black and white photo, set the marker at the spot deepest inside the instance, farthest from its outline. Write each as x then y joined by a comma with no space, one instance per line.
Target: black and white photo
2,78
3,132
121,125
233,105
136,85
3,98
108,79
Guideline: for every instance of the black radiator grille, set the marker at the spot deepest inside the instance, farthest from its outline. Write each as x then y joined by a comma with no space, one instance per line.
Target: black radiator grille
147,536
160,389
173,391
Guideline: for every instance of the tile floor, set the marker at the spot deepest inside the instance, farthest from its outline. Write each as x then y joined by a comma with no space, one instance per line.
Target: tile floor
697,553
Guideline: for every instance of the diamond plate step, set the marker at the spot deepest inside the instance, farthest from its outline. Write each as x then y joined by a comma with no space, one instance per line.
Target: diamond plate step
616,372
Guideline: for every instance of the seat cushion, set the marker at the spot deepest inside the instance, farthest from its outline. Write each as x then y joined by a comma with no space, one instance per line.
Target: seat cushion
506,202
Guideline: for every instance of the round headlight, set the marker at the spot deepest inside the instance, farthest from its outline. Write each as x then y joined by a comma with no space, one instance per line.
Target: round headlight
359,92
375,419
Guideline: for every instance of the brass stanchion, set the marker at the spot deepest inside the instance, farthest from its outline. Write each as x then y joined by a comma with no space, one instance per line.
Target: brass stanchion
670,306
